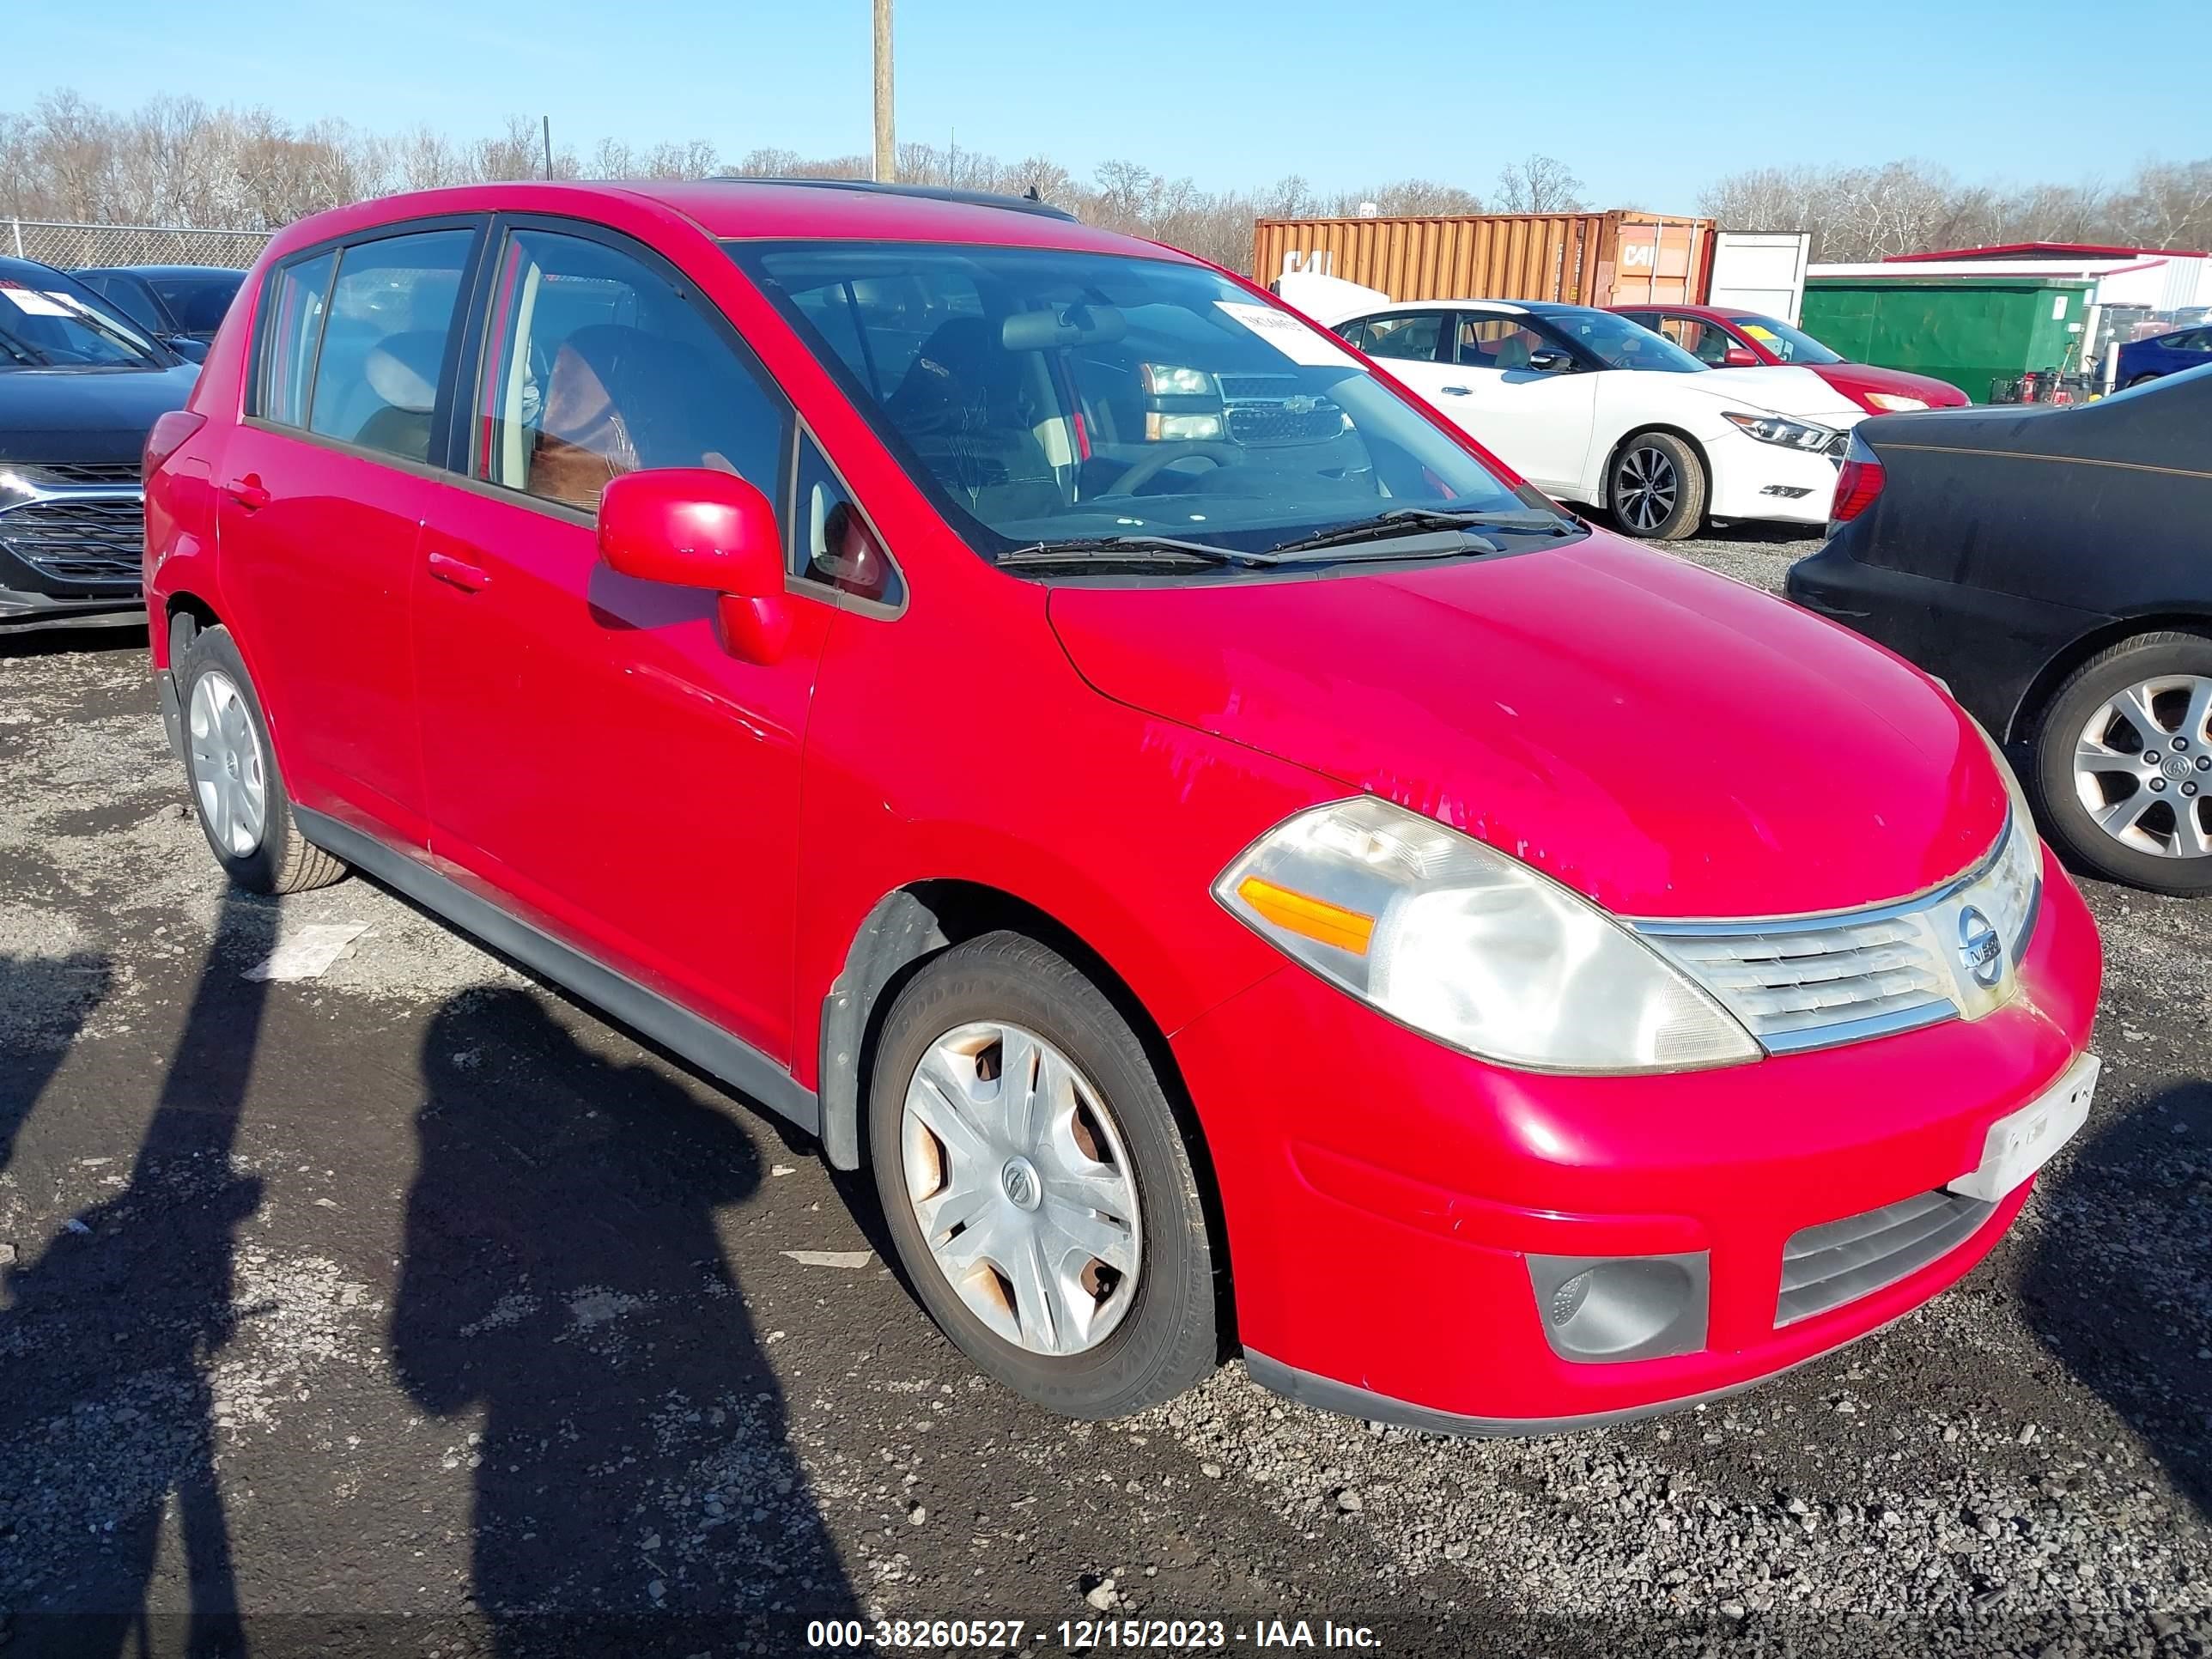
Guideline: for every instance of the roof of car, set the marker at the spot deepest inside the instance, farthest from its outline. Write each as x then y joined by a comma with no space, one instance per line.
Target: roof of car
172,270
755,210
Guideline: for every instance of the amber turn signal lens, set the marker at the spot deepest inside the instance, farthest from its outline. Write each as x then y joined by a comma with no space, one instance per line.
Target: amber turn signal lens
1301,913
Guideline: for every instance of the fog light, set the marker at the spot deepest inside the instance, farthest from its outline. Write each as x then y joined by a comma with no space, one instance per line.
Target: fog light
1606,1309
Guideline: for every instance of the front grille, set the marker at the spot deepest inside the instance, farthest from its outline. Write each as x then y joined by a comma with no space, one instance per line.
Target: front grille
46,473
1788,983
100,540
1275,423
1839,1262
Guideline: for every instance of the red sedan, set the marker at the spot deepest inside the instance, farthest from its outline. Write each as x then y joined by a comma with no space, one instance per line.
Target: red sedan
1725,337
1072,734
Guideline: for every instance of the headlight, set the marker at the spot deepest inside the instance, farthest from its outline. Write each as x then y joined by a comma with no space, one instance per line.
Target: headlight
1468,946
1893,403
1177,428
1774,429
2010,893
1162,381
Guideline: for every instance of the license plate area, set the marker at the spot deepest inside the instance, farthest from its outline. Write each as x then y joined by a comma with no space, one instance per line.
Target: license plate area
2022,1142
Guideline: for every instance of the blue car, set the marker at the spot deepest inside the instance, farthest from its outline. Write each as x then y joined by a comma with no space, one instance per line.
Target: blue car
2165,353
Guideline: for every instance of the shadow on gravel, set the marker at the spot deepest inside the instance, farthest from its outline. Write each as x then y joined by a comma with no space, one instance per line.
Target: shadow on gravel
2121,1283
107,1342
62,642
634,1488
47,1000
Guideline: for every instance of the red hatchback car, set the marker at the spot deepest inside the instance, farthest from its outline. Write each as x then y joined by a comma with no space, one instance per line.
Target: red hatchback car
1724,337
1242,868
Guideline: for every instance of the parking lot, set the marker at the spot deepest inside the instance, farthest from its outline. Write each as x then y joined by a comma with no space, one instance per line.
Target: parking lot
420,1304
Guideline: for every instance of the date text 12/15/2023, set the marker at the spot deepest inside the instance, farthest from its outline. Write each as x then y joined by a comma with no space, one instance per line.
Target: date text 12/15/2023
1087,1635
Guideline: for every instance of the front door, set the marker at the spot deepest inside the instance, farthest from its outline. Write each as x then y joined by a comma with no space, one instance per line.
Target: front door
596,759
1533,413
322,494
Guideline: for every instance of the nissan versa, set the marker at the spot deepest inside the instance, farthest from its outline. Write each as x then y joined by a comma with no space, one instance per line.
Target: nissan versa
1242,869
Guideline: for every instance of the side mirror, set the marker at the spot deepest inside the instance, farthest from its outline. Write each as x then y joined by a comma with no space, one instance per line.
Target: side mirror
1738,357
1550,360
696,527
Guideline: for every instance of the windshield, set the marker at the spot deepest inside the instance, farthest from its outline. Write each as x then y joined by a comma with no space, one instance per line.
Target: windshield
197,302
1041,395
1791,345
58,324
1618,344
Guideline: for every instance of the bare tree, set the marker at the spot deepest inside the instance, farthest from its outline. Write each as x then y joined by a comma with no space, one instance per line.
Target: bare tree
1539,183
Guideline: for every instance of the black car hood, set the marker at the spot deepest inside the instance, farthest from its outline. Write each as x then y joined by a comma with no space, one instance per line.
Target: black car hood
86,416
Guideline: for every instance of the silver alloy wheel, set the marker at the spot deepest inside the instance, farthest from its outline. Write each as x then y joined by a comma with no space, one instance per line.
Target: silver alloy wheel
2142,766
1645,487
1022,1187
228,772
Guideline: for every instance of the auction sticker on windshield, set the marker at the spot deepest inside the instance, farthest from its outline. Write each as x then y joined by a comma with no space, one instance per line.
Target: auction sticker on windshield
1288,335
33,303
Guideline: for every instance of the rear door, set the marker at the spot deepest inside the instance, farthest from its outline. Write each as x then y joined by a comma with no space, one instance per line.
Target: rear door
597,762
322,489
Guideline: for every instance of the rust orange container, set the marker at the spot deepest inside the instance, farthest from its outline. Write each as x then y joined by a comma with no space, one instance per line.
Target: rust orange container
1616,258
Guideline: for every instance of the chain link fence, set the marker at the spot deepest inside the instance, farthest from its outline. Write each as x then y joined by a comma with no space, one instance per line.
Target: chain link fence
70,246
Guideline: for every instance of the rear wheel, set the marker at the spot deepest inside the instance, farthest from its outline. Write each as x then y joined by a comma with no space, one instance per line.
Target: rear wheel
1036,1181
231,766
2141,379
1657,488
2124,763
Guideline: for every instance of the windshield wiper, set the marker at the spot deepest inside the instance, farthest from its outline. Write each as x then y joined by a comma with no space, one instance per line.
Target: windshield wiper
21,353
1410,520
1122,550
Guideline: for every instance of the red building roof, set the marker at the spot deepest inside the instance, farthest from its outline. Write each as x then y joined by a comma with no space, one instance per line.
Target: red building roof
2049,251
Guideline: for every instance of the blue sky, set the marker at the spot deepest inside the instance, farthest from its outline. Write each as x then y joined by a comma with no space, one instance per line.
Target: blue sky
1645,102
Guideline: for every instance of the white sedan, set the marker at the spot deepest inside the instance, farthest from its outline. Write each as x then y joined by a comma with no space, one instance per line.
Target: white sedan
1590,408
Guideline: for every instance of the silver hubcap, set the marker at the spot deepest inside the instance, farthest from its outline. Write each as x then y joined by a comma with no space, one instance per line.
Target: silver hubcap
228,776
1022,1187
2142,766
1644,489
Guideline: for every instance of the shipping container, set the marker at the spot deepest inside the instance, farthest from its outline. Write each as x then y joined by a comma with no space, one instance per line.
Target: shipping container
1585,259
1980,333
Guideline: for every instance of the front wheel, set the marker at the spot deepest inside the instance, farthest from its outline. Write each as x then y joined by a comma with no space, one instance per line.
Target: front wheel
1036,1182
1656,488
2124,763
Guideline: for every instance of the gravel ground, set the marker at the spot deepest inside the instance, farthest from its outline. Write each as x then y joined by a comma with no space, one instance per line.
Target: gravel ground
416,1309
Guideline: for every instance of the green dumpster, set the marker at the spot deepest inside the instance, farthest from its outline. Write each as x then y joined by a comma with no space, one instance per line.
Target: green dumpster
1974,332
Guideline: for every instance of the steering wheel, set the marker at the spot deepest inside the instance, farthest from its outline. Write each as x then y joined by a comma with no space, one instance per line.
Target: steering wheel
1221,454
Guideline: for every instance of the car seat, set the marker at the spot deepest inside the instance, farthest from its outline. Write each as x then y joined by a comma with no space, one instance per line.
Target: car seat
402,370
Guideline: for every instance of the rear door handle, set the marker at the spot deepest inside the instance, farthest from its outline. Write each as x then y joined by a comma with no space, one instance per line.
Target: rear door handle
248,492
459,572
1456,391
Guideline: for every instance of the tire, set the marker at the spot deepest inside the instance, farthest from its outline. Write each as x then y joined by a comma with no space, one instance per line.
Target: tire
222,721
1654,488
2140,379
2155,853
1148,1347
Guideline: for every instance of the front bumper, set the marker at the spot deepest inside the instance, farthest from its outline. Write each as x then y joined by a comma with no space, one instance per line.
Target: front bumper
1383,1194
1753,480
22,610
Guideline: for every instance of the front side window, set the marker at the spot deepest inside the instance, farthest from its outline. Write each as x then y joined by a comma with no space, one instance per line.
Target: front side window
198,303
1055,395
1707,342
391,309
1497,342
596,365
1789,343
1410,337
1618,344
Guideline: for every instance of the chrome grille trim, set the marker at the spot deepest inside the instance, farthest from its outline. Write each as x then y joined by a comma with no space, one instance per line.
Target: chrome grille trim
1817,980
1839,1262
77,532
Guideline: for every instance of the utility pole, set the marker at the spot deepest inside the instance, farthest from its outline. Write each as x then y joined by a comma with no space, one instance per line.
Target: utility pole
548,145
886,146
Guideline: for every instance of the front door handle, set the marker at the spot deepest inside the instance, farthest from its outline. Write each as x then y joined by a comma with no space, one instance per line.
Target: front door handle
459,572
249,492
1456,391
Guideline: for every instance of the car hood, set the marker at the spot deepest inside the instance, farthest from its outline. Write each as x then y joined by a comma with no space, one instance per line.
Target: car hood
1783,389
1663,740
87,416
1854,379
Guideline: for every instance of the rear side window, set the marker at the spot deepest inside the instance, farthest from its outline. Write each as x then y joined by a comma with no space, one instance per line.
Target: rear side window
390,310
292,326
596,365
1410,337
